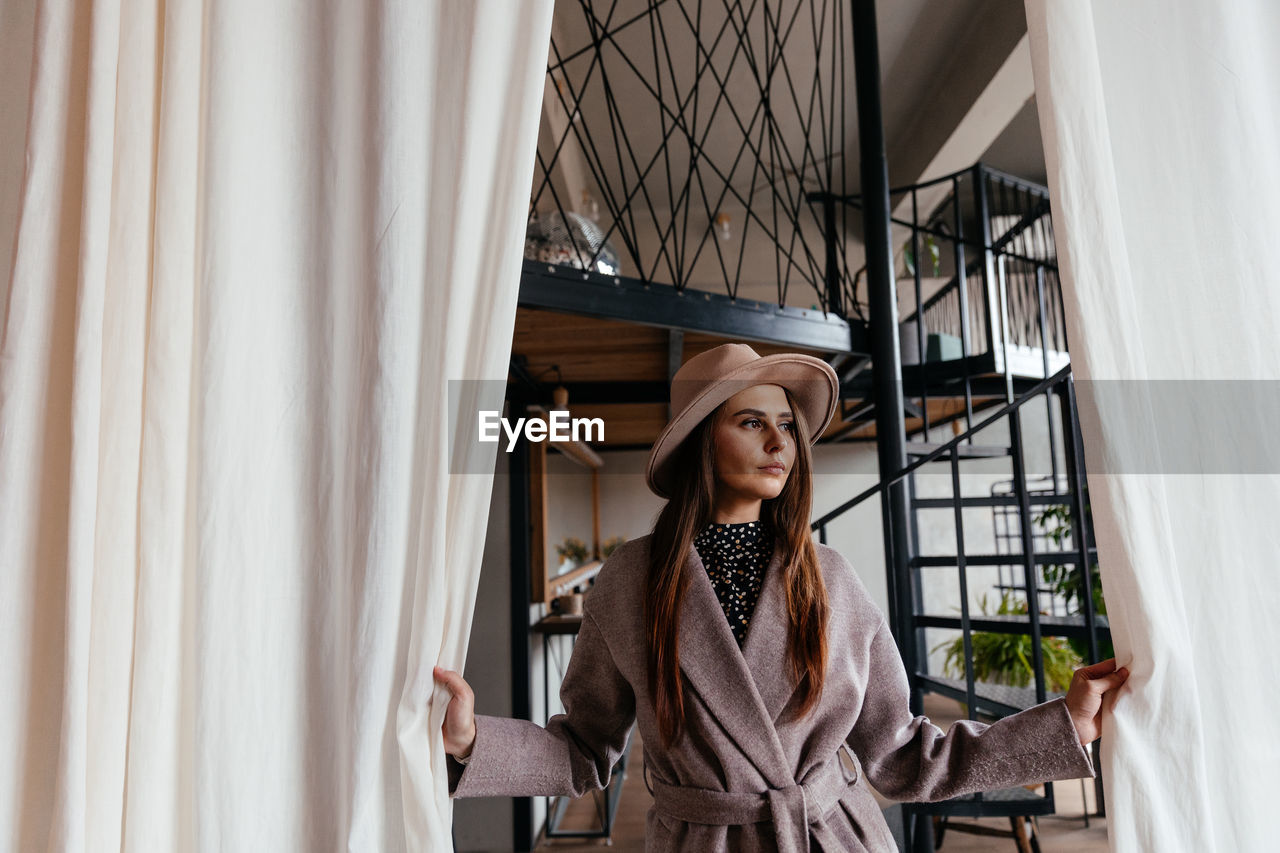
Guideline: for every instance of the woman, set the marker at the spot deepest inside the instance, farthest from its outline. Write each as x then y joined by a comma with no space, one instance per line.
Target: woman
748,655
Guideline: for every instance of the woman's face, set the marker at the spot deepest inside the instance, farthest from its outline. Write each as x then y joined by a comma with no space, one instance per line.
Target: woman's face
753,431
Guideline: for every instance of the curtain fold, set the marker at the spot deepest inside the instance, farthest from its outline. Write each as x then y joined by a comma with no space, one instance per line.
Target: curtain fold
1160,123
251,247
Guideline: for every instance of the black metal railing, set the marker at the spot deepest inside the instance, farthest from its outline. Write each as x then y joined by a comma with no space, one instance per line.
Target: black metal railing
998,230
977,271
1022,553
699,173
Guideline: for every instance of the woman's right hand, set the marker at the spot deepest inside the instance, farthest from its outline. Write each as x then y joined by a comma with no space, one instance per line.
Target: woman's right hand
459,718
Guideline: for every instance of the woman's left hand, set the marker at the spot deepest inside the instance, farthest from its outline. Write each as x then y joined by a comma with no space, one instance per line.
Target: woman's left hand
1089,686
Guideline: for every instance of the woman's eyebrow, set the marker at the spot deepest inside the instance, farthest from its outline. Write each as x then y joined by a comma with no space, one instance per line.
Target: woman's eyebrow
761,414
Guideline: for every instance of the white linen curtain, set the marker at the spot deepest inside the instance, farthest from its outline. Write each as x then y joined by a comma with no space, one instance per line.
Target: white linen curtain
1161,124
254,242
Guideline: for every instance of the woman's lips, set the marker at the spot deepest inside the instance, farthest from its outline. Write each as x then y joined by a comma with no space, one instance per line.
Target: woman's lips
774,469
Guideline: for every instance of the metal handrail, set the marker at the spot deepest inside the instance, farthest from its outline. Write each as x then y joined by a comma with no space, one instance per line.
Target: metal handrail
1038,388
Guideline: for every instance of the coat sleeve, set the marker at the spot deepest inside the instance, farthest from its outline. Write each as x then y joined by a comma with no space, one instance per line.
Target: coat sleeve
576,751
910,759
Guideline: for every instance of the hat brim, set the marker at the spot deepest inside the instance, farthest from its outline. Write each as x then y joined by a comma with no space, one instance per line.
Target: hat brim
811,381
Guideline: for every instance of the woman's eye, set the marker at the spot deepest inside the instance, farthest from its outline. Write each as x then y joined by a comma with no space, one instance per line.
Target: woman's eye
788,425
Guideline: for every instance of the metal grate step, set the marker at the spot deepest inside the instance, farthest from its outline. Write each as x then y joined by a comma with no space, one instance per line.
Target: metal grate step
964,451
1044,558
1002,802
1050,626
996,700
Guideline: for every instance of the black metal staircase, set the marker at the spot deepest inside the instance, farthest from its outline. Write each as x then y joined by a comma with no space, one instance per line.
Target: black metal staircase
1006,313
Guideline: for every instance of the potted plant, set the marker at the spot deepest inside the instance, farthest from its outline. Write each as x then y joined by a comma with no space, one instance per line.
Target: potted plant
573,552
1000,658
610,545
933,257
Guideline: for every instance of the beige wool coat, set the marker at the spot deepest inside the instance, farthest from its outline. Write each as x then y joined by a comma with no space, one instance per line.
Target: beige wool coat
749,775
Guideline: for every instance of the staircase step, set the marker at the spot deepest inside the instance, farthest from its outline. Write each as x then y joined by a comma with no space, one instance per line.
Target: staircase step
1042,558
965,451
1003,802
989,500
1000,700
1050,626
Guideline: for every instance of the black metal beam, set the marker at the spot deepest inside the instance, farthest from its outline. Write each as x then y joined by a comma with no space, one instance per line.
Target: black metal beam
834,275
675,358
521,534
861,389
886,361
574,291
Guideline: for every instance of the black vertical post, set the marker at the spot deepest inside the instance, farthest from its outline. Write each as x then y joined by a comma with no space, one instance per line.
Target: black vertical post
995,334
521,581
883,308
1081,538
962,282
835,300
886,360
1030,568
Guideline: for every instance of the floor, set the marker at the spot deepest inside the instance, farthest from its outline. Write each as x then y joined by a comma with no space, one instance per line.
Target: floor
1064,832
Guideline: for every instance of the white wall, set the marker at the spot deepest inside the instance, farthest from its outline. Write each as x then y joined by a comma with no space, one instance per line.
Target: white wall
627,507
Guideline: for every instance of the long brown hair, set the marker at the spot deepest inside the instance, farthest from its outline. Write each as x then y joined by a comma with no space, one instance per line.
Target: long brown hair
679,523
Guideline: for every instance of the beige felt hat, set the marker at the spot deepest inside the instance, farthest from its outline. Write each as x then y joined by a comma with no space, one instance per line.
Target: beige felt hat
705,381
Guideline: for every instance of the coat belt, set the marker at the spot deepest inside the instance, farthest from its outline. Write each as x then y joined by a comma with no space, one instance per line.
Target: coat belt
791,809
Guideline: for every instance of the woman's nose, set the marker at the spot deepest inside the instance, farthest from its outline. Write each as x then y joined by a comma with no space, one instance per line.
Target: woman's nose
777,439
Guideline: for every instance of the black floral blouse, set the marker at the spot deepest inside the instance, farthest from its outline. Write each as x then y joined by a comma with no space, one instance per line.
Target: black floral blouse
736,557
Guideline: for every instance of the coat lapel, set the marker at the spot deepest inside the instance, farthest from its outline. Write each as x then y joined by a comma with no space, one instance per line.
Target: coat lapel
717,670
765,647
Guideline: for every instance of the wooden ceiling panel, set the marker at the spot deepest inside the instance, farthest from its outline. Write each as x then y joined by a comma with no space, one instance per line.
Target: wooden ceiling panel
631,425
589,350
